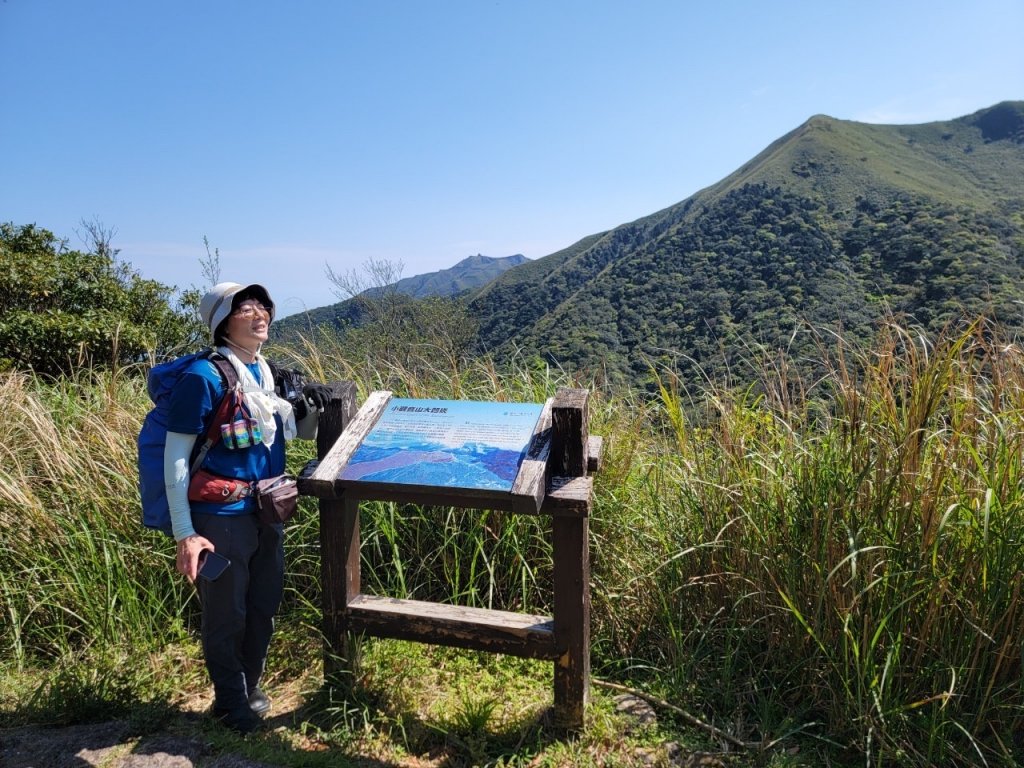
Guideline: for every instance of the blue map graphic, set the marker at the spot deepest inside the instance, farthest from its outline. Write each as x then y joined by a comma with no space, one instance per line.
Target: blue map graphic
446,443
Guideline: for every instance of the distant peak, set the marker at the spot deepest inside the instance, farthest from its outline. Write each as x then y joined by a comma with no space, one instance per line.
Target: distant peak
816,124
478,259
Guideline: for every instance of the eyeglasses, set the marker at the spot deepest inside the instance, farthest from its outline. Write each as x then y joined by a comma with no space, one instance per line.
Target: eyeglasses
248,311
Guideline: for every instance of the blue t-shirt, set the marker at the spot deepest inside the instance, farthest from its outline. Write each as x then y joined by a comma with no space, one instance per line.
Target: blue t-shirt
197,395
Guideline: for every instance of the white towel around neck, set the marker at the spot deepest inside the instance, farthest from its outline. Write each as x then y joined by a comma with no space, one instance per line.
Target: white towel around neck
262,401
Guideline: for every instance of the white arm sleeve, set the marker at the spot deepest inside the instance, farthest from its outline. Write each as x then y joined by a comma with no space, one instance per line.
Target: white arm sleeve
177,450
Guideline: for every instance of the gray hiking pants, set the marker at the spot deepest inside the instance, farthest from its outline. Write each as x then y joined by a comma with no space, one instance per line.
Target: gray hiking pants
239,607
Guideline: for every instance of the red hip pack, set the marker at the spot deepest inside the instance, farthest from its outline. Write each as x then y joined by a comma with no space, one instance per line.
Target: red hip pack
208,487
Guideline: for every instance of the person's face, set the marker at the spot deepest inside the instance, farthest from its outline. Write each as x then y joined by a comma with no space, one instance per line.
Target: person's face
249,324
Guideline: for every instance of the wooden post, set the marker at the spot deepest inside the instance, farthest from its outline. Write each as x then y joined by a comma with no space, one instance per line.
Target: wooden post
339,545
571,549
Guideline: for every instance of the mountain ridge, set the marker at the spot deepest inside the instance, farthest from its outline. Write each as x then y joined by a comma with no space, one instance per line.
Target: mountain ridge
470,273
467,274
954,187
833,225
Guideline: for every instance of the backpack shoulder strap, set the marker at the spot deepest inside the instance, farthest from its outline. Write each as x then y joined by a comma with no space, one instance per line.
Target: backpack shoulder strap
224,366
222,414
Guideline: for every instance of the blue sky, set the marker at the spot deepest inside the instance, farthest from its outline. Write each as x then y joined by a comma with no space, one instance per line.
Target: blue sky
295,135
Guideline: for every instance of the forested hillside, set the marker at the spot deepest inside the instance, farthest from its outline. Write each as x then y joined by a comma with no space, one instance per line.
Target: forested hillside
835,225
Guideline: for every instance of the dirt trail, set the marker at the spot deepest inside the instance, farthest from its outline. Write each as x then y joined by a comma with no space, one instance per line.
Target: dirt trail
108,745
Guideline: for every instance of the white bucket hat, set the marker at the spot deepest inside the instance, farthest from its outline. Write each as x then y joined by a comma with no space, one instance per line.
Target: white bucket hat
219,301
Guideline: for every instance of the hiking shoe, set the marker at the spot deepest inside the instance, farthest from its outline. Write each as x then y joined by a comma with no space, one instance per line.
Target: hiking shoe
239,719
258,701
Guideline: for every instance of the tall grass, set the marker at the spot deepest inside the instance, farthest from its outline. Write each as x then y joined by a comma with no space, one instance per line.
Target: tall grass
76,569
839,558
852,560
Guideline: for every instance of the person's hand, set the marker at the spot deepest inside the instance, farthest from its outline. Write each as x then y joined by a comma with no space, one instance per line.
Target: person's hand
189,550
317,396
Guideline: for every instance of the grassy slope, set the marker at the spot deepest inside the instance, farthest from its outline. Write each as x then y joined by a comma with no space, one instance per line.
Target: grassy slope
839,160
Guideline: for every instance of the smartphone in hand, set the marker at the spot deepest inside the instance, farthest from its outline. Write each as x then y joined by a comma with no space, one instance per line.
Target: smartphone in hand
212,565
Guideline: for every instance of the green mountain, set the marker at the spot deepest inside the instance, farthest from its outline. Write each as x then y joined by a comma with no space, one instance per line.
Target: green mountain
832,226
469,274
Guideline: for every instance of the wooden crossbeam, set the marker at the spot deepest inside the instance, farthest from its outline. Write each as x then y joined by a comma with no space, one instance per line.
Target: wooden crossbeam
516,634
568,497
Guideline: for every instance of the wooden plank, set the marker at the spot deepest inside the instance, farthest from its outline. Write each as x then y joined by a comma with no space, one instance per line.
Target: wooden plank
531,481
516,634
326,473
595,447
564,496
569,497
426,496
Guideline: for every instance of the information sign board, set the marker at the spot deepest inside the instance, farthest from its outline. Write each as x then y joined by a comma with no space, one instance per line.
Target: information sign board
445,443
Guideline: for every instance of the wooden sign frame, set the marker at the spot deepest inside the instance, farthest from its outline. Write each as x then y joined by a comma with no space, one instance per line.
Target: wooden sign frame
552,480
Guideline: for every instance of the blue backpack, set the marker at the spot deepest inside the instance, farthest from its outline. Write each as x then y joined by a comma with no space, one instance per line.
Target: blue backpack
153,435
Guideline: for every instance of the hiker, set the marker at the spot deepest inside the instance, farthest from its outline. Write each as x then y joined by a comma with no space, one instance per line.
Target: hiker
239,605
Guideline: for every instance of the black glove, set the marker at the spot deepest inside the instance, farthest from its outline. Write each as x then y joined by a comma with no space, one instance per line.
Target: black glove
317,396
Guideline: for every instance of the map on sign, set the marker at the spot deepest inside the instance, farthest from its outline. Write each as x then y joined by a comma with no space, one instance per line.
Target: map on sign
446,443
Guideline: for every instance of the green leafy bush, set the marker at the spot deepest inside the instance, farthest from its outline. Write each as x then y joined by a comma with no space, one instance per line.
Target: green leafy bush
60,308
